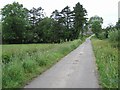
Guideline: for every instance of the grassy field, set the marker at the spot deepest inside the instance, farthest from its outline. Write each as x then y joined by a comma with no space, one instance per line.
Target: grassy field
107,62
22,62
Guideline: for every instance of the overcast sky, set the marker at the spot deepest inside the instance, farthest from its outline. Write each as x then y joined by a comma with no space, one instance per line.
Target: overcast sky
107,9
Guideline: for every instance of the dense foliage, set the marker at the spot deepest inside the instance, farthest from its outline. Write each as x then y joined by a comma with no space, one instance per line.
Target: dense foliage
14,22
79,20
96,28
21,25
95,23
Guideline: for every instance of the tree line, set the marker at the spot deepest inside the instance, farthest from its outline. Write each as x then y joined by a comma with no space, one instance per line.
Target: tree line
20,25
95,24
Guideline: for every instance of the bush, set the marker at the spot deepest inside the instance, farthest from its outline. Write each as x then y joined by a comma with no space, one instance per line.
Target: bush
102,35
114,36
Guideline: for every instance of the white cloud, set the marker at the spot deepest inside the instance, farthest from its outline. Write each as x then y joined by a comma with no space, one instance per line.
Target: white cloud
108,9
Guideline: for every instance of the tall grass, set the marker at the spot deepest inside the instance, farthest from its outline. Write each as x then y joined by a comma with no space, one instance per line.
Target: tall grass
107,62
22,62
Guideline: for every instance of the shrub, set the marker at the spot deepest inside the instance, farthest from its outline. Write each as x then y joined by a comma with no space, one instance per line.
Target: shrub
114,38
114,35
102,35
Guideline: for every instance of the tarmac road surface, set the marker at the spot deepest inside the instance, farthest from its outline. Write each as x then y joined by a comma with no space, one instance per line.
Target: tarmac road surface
76,70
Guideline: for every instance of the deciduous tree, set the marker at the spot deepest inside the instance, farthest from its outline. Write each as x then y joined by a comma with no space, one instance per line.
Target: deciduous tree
14,22
96,28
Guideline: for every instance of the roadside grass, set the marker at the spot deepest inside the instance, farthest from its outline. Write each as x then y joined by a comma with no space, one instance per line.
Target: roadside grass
107,62
0,66
23,62
0,55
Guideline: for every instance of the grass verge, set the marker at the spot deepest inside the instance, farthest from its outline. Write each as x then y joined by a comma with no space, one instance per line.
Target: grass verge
107,62
22,62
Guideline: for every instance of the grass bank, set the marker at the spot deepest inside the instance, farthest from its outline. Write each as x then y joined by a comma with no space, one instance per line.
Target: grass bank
107,62
22,62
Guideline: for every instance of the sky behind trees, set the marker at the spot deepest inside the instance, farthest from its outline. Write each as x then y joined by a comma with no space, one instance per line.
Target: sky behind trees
108,9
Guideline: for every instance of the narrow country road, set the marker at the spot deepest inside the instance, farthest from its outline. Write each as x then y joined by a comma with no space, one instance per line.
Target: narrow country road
76,70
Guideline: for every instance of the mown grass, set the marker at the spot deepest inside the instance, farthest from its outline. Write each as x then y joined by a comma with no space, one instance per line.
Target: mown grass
22,62
107,62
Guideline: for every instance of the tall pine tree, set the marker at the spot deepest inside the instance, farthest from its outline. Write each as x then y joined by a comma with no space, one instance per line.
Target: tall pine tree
79,19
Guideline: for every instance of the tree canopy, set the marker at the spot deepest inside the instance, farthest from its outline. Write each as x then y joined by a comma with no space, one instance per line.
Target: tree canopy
79,19
21,25
14,22
96,28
